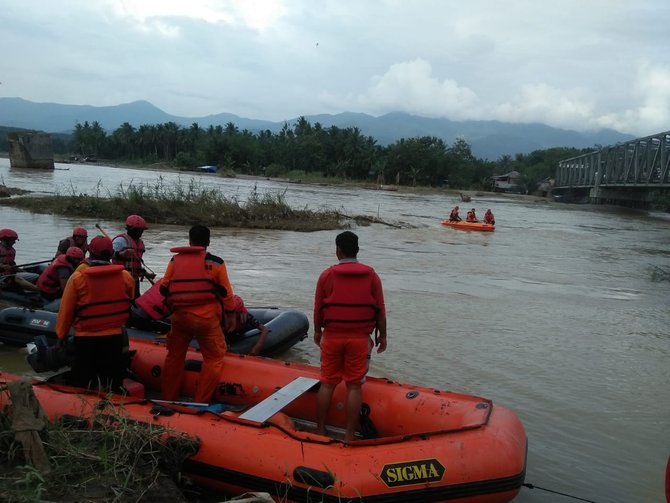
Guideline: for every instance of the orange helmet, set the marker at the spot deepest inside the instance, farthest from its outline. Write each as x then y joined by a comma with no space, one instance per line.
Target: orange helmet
8,234
79,232
136,221
74,252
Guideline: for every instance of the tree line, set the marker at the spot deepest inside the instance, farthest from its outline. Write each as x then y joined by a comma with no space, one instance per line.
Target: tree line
311,149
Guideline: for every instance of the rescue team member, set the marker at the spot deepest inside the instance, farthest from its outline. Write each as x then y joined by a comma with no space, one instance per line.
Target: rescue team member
97,302
9,278
348,306
151,304
97,253
53,279
471,216
79,239
245,321
489,218
198,291
129,249
453,216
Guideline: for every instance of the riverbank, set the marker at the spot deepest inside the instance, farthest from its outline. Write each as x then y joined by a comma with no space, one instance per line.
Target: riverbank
185,203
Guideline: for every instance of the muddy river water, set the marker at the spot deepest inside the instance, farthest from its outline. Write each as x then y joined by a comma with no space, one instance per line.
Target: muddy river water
556,315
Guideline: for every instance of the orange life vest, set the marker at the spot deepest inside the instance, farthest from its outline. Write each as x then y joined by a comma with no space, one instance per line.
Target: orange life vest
49,281
134,264
190,284
350,305
106,304
152,302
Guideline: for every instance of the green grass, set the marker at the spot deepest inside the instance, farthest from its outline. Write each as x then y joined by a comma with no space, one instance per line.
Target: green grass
188,204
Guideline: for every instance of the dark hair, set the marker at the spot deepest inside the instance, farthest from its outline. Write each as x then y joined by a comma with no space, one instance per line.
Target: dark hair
198,235
347,242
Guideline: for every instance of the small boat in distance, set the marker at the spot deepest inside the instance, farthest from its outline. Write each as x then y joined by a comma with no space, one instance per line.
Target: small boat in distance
469,226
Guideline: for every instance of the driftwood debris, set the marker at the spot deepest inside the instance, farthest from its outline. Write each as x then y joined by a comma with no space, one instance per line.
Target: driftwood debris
365,219
28,419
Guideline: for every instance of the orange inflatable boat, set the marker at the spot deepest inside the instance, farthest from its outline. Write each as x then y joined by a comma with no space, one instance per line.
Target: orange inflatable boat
469,226
415,444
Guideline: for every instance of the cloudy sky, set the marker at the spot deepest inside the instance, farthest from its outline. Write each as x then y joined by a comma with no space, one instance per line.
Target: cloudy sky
577,64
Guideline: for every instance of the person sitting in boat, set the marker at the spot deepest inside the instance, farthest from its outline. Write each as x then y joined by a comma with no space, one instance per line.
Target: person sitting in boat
150,306
453,216
471,216
489,218
10,276
54,278
96,302
245,321
79,239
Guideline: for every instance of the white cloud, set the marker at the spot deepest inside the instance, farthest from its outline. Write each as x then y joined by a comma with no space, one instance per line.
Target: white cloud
255,14
652,91
544,103
411,87
570,64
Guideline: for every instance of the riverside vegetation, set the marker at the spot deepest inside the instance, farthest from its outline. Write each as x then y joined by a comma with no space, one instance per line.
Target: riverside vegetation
186,204
111,459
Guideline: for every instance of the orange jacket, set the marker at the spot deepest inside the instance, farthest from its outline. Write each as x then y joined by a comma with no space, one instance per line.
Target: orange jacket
216,270
77,294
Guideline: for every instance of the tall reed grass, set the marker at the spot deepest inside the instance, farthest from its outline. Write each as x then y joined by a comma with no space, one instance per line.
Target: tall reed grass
186,204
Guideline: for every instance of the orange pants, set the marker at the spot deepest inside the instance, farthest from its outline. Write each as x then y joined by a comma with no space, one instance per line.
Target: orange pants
345,358
208,333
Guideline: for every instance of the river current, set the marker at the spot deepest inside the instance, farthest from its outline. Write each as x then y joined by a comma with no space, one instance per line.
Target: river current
557,315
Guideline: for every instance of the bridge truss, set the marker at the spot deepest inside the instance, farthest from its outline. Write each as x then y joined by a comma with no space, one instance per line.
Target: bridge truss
629,171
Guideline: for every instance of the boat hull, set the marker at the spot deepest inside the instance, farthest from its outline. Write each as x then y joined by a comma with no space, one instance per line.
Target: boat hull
431,445
20,326
469,226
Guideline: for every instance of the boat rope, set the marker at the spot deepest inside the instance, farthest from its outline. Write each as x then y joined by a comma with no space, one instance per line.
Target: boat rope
532,486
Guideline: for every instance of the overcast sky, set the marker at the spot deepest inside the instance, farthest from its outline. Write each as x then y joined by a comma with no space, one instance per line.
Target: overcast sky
577,64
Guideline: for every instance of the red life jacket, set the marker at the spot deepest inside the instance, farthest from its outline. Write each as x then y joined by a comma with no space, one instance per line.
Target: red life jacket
49,281
350,305
106,304
190,284
71,243
7,255
152,302
134,264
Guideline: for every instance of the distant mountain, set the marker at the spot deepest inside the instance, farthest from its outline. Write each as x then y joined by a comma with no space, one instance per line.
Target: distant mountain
488,139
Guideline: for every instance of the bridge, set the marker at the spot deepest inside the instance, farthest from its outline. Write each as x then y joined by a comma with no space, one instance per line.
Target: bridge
627,173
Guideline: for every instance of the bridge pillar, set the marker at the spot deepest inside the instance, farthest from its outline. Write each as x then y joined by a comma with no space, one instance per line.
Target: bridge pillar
627,196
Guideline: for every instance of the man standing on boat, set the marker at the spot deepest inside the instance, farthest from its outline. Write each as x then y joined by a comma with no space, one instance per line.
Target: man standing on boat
197,290
348,306
129,249
96,301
